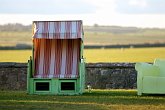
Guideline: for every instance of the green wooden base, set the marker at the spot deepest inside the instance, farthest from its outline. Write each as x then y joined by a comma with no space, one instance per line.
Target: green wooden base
54,86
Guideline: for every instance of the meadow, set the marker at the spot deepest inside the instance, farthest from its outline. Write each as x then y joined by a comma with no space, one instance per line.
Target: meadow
96,55
9,38
97,100
93,35
106,38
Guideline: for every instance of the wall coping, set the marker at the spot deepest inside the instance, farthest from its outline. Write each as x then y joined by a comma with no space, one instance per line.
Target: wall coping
110,65
88,65
12,65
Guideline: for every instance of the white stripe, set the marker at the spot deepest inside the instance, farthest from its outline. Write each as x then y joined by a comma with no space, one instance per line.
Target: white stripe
74,65
40,27
62,76
51,27
62,30
52,63
74,29
63,62
50,76
41,65
39,35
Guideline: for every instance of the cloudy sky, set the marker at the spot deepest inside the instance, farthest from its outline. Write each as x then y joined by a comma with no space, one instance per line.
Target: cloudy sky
139,13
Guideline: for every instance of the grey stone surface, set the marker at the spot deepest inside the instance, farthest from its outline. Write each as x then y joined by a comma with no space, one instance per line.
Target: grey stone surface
99,75
111,75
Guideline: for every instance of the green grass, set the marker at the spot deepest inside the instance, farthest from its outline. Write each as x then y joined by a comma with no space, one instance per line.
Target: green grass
9,38
96,55
97,100
15,55
124,55
103,38
14,38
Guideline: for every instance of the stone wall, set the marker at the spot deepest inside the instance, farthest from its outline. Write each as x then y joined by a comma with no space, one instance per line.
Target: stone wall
99,75
111,75
13,76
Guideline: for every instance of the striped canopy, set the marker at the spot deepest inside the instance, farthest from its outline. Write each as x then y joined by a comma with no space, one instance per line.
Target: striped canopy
58,29
56,58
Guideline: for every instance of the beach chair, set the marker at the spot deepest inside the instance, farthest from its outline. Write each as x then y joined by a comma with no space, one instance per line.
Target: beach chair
57,65
151,77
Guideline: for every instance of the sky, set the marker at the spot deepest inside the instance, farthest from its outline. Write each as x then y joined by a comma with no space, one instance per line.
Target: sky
136,13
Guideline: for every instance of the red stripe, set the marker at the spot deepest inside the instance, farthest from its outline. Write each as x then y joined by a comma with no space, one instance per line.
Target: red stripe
66,28
70,59
35,58
44,59
57,29
66,62
42,52
53,53
58,55
36,55
54,42
46,30
70,30
47,55
78,30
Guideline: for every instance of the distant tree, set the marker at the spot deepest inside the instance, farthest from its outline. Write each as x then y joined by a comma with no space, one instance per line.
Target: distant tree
95,28
95,25
15,27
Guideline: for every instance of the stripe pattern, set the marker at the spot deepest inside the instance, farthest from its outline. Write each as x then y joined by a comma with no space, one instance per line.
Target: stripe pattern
57,29
56,58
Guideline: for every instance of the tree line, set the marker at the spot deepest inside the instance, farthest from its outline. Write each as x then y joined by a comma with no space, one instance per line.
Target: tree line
15,27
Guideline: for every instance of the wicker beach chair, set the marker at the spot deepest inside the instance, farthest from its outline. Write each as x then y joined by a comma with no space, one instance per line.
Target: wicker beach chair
57,65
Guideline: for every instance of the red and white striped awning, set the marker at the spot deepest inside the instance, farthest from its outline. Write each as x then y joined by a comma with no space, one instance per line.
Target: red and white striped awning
58,29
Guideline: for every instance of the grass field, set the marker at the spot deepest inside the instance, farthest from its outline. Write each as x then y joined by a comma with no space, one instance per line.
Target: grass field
97,38
97,100
14,38
103,38
15,55
96,55
124,55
